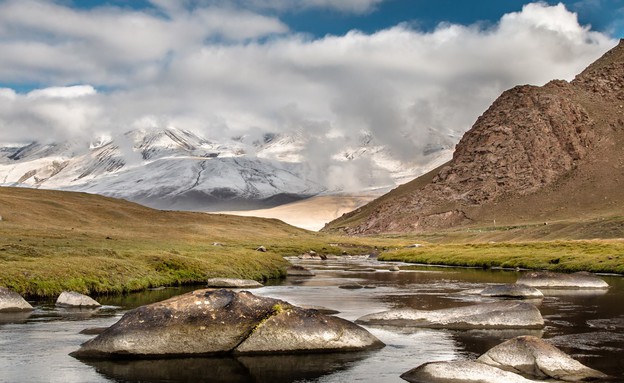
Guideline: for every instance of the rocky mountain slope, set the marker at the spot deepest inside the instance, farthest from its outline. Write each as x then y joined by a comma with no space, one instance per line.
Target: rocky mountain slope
538,154
177,169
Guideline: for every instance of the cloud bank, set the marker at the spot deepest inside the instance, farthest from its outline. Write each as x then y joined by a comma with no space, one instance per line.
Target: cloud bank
224,69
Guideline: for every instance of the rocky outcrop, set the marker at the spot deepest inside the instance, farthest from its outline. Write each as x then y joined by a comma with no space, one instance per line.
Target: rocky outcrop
533,357
500,315
74,299
214,322
461,371
547,279
10,301
232,283
528,142
515,291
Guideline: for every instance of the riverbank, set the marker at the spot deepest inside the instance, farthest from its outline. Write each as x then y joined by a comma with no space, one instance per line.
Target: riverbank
52,241
600,256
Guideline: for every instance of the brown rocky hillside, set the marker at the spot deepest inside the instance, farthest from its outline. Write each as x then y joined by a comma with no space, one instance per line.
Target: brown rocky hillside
538,154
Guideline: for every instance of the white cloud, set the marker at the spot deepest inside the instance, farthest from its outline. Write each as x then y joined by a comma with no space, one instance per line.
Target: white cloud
63,92
212,69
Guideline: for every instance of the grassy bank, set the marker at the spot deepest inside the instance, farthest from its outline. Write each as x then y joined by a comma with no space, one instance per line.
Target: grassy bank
52,241
564,256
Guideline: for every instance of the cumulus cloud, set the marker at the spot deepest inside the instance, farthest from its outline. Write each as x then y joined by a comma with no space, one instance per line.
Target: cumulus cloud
222,71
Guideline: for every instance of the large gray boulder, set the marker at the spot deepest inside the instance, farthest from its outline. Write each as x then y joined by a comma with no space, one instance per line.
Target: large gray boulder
10,301
212,322
499,315
461,371
74,299
547,279
515,290
534,357
233,283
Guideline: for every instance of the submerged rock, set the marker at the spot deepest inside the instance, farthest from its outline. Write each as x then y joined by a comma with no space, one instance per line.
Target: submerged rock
74,299
499,315
461,371
351,286
233,283
514,290
299,271
534,357
547,279
212,322
10,301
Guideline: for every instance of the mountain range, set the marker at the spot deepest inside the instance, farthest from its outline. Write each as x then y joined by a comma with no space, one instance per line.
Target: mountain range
537,155
175,169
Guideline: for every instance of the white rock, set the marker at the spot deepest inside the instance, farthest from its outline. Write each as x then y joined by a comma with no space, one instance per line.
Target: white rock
499,315
547,279
461,372
12,301
534,357
74,299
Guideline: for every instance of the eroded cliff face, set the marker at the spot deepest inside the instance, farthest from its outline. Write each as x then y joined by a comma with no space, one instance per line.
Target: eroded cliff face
530,139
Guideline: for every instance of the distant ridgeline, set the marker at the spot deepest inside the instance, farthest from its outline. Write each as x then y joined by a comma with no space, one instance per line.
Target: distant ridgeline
538,154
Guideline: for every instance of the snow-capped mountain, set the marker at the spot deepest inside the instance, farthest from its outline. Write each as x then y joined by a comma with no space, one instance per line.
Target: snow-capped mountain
177,169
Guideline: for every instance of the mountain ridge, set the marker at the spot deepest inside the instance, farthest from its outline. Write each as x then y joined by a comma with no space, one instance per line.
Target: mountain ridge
538,153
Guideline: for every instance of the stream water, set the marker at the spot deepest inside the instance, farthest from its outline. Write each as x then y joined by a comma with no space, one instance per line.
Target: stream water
587,325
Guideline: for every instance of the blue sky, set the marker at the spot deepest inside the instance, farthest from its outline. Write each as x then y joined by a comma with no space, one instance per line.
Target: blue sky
602,15
413,74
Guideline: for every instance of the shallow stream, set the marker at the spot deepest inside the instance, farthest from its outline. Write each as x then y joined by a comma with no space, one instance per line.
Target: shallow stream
587,325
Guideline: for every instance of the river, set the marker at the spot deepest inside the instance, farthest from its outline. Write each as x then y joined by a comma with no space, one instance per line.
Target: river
587,325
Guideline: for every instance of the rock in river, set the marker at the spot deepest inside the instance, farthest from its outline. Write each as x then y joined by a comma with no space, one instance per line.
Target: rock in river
299,271
11,301
499,315
212,322
534,357
514,290
233,283
74,299
547,279
461,371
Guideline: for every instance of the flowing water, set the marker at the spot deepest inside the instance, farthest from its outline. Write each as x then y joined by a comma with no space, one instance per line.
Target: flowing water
588,325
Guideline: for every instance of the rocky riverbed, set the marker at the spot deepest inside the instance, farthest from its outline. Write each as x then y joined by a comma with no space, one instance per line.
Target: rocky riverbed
586,324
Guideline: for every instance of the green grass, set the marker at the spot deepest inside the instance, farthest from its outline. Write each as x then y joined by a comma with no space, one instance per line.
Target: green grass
52,241
564,256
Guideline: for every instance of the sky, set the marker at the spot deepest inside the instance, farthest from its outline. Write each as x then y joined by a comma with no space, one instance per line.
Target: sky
412,73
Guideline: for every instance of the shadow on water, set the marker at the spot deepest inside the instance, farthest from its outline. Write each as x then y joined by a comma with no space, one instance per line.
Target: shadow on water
259,369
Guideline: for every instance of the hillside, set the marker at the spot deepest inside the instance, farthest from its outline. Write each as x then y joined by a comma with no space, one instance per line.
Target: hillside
537,155
56,240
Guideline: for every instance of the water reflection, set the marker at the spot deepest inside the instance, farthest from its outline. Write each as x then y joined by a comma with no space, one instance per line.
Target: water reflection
277,368
589,325
14,317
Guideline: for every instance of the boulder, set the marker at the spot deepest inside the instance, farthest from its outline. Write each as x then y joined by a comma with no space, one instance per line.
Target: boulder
499,315
395,268
547,279
536,358
10,301
299,271
261,249
232,283
461,371
514,290
216,322
74,299
321,309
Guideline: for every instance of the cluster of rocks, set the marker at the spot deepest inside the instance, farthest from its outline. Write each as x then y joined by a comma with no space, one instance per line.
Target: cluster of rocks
518,360
217,322
515,361
10,301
